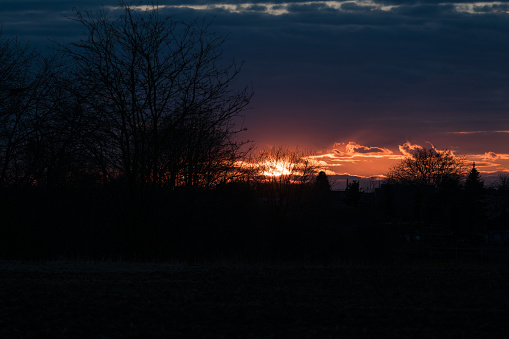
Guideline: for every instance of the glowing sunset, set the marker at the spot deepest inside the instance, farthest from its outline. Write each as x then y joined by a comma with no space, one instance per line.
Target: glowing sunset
286,168
276,169
352,159
376,74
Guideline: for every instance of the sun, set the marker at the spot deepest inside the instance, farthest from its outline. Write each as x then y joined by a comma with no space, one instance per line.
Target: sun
276,168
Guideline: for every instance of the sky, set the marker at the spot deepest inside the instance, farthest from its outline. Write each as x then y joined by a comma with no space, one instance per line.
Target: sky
359,84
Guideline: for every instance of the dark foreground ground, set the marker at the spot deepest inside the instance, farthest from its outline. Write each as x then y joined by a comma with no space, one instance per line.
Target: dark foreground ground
119,300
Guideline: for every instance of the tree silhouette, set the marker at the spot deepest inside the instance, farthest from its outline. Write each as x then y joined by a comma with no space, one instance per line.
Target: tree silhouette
474,187
321,191
159,103
17,77
322,183
474,184
428,167
502,183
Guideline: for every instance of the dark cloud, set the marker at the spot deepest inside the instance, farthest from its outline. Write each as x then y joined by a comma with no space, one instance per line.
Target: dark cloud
354,72
424,10
40,22
257,8
420,2
368,150
50,5
307,8
352,6
352,149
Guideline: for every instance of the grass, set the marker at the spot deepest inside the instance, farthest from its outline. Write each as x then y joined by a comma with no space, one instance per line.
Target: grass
114,299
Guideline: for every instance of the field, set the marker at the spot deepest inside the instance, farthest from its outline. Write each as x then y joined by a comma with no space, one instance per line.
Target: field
180,300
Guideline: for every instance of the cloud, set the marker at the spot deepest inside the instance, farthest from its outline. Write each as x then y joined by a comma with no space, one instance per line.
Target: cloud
353,148
490,156
487,8
486,165
480,132
349,158
408,149
352,6
425,10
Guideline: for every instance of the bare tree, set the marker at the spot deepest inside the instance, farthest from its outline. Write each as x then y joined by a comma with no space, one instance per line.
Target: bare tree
39,130
160,102
17,100
60,128
502,183
282,175
428,167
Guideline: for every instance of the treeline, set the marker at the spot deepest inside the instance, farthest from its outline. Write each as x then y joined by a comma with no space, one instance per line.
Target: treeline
280,217
238,220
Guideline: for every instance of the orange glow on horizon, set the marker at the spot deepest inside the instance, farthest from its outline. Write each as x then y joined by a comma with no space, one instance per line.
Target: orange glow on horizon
277,168
353,159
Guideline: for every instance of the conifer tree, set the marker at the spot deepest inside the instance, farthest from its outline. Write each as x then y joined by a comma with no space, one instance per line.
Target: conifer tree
474,184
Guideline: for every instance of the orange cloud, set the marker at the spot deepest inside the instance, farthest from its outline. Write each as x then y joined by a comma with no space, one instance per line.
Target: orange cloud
408,149
486,165
354,149
490,156
352,158
489,163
